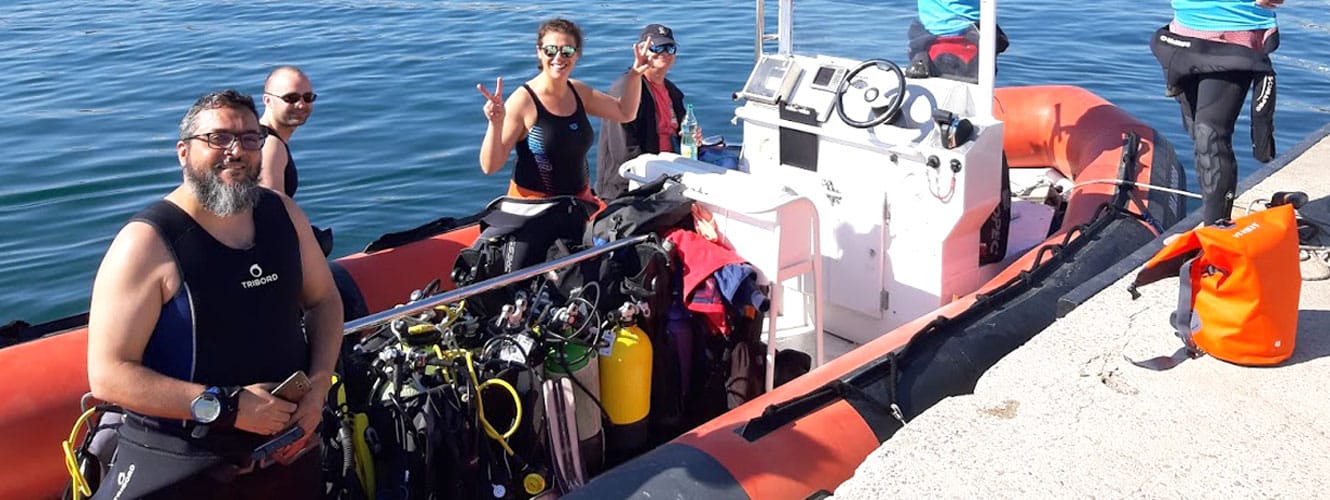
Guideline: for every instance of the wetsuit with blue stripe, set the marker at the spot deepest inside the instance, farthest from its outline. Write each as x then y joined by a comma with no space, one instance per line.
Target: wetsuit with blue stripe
551,158
235,321
236,318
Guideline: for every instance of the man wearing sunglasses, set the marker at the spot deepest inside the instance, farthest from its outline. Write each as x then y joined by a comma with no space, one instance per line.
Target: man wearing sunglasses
288,100
659,114
204,302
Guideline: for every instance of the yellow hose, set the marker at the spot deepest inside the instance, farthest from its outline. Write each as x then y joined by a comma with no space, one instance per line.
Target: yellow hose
80,487
480,406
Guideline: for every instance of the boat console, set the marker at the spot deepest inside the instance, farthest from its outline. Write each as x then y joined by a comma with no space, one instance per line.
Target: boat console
903,173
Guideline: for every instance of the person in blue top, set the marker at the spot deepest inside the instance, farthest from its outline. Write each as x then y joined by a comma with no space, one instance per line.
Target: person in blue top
1211,53
944,40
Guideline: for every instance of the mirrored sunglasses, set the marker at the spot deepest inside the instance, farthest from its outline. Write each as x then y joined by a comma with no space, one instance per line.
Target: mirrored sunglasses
550,51
252,141
664,48
293,97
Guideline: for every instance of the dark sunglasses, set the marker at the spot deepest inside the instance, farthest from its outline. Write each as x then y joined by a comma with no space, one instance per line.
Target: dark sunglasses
295,96
664,48
252,141
550,51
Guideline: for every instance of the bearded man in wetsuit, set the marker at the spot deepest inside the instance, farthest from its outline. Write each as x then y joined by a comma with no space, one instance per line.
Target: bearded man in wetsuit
205,301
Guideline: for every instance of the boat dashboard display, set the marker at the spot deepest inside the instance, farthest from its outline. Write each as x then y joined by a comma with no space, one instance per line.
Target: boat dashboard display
827,78
771,80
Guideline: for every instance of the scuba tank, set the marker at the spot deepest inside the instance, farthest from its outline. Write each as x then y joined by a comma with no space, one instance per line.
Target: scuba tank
577,360
625,391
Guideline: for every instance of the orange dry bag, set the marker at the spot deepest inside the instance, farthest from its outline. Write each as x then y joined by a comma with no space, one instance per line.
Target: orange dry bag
1238,288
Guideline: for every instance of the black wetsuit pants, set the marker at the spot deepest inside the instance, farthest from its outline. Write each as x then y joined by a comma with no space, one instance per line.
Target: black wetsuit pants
150,465
1210,104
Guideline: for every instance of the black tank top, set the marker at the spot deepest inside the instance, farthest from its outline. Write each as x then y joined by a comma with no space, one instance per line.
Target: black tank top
291,180
236,319
552,157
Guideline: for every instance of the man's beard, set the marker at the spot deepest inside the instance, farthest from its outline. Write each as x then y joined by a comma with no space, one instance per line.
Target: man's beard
220,198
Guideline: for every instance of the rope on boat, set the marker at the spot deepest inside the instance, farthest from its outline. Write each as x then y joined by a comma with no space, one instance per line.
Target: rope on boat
1123,182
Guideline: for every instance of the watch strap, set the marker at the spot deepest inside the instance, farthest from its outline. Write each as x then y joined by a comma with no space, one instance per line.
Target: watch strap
230,398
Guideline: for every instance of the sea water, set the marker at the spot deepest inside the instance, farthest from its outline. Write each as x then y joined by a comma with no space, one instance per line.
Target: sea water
92,94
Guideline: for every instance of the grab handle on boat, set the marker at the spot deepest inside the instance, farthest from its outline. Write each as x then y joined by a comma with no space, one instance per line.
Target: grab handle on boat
385,317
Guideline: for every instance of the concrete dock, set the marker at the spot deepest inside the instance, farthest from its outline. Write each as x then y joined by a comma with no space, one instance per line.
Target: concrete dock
1068,415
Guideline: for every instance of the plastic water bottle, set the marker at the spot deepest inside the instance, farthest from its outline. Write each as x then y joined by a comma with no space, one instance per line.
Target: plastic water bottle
688,147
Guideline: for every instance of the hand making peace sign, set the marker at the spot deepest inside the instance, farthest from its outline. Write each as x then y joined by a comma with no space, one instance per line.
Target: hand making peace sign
494,111
640,64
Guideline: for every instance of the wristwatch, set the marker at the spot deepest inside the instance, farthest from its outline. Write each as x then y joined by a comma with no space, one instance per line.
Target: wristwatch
216,406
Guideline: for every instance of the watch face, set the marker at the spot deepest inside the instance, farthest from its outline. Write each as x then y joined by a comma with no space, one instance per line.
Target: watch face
206,408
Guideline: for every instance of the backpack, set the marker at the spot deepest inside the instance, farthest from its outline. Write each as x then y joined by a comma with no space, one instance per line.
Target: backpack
516,233
1238,288
652,207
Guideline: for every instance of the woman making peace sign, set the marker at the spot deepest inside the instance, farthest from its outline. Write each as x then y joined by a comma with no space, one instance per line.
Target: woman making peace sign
548,121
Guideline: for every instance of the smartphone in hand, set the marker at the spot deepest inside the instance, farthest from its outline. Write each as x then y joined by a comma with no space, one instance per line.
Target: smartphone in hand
294,387
262,456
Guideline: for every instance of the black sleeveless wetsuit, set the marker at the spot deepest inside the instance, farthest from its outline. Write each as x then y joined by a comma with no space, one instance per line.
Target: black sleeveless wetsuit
236,318
552,157
235,321
291,180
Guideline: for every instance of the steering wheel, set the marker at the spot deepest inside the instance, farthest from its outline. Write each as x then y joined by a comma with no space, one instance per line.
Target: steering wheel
871,94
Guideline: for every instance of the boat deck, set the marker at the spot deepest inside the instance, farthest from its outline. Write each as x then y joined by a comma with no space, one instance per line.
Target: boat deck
1067,415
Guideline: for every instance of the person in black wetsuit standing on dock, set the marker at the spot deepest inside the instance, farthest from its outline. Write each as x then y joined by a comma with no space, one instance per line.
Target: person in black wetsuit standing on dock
1212,52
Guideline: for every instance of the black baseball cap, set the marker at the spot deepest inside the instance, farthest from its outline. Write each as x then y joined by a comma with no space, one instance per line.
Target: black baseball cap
659,34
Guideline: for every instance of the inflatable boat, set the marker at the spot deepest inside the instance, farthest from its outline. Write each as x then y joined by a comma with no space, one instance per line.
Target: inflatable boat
912,230
831,418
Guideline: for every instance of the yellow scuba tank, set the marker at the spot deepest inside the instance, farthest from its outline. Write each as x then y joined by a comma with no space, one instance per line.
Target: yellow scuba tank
625,389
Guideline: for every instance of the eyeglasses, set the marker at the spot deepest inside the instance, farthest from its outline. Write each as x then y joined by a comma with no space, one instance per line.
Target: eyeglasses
664,48
295,96
550,51
252,141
